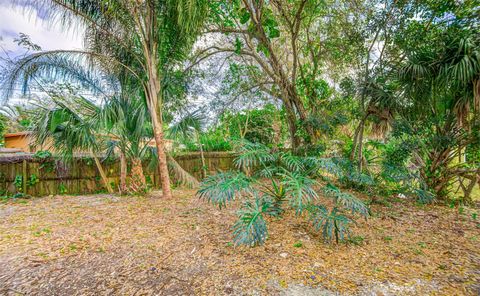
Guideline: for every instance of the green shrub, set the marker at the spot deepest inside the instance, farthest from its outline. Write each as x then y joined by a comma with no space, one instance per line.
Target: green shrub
290,184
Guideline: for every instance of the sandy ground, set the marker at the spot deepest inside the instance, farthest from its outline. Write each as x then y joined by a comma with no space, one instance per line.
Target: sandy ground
111,245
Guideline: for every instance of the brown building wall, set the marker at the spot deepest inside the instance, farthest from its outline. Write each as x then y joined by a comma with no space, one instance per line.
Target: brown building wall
18,140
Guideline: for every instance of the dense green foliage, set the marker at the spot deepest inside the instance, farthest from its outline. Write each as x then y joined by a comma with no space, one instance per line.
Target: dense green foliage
378,97
271,182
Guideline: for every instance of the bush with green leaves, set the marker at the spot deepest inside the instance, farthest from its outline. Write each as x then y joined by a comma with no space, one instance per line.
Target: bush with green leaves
272,182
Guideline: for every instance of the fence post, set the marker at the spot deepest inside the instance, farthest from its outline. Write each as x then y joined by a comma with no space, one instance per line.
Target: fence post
24,176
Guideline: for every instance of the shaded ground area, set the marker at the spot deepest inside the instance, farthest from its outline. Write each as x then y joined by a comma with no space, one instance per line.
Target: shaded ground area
108,245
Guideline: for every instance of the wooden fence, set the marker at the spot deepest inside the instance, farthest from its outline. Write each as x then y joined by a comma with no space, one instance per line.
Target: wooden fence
39,177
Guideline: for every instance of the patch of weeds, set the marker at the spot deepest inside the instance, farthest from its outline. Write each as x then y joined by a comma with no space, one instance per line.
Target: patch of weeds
283,284
417,251
189,225
298,244
18,182
73,247
443,267
474,216
392,214
387,238
382,201
474,238
21,201
43,231
62,189
356,240
229,244
461,210
420,205
191,212
42,255
422,245
451,204
33,180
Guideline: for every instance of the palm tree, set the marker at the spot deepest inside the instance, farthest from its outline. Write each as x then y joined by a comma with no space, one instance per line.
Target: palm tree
126,119
71,125
441,89
139,41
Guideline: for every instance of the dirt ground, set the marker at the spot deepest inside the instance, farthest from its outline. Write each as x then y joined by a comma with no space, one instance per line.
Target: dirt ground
111,245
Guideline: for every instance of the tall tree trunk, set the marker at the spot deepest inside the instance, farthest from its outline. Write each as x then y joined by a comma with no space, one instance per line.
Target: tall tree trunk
155,107
102,173
138,183
162,156
123,172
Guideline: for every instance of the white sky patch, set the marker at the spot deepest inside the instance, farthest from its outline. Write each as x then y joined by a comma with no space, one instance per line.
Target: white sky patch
14,20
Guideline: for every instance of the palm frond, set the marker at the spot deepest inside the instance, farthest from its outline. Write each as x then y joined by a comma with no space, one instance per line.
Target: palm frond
276,196
186,126
331,224
346,200
224,187
250,155
251,227
299,190
292,162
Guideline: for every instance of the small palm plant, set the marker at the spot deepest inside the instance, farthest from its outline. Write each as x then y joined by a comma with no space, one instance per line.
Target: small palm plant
276,182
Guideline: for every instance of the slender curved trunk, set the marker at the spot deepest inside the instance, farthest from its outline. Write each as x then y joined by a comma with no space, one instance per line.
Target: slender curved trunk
138,183
181,175
123,172
360,148
202,155
102,173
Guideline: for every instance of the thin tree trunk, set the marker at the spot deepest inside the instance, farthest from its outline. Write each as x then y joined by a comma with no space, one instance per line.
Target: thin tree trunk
123,173
102,173
360,148
202,156
358,140
181,175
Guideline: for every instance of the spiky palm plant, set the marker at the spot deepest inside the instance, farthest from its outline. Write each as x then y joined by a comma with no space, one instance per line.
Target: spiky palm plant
70,124
139,42
441,93
127,120
279,181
